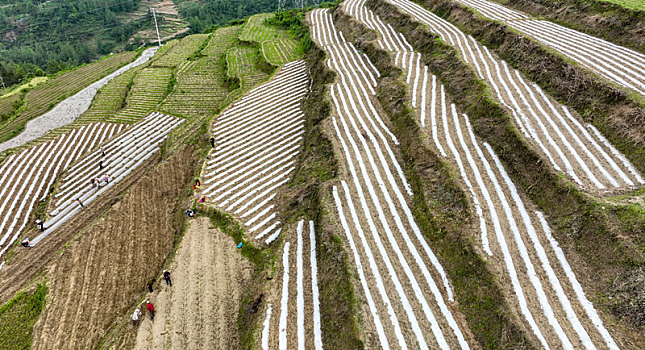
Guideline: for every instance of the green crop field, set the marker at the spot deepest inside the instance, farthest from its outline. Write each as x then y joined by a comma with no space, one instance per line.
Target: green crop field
180,51
242,64
18,317
111,98
47,95
201,85
222,40
280,51
255,30
633,4
149,87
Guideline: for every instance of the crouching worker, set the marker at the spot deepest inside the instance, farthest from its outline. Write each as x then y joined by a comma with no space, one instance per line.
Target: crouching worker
135,317
190,213
26,243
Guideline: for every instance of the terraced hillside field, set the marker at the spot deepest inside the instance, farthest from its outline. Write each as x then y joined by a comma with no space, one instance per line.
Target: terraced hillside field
242,63
46,95
568,143
407,299
28,175
257,143
615,63
67,111
275,44
519,235
201,87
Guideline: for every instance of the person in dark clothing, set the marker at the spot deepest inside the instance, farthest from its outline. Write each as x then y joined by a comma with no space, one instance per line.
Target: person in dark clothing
212,142
151,309
80,203
26,243
40,224
166,276
150,284
100,164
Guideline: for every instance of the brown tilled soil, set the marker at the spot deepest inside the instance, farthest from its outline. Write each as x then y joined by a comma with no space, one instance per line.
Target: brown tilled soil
200,310
105,271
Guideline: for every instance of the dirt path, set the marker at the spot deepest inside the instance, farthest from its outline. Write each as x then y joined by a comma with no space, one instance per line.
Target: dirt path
200,310
105,271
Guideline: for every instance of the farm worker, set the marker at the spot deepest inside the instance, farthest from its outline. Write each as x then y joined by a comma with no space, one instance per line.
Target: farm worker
190,212
151,308
103,155
106,178
101,164
197,183
80,203
26,243
212,142
40,224
135,317
152,282
166,276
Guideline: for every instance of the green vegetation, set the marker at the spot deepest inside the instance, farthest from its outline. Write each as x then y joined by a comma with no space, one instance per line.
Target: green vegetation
243,63
180,51
111,98
45,37
634,4
204,14
26,86
255,29
18,317
48,94
149,88
201,88
280,51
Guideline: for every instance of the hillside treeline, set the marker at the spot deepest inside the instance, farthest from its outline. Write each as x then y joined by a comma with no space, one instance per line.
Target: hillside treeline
44,37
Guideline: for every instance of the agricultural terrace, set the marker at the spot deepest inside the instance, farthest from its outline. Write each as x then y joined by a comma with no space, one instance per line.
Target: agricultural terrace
256,30
201,87
111,98
632,4
242,63
149,88
222,40
276,45
280,51
45,96
180,51
7,105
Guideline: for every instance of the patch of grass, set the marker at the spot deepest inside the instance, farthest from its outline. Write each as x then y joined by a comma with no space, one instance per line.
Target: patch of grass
633,4
18,317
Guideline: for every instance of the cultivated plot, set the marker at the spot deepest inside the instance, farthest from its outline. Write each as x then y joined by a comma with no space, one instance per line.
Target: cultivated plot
292,318
408,300
257,143
27,176
616,63
516,238
97,172
149,88
569,144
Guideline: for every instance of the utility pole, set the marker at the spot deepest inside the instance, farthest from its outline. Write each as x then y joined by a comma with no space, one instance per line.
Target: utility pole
154,14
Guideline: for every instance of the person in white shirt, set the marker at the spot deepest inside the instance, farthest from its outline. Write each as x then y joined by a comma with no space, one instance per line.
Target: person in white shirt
135,317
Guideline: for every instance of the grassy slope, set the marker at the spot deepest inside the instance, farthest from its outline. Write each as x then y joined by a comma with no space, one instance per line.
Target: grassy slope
608,239
18,316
